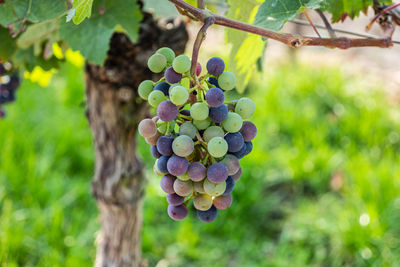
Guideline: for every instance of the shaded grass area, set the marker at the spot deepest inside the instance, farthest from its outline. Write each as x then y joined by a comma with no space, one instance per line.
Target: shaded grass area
321,187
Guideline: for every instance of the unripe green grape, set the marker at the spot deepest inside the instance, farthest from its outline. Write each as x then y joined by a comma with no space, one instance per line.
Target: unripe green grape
198,187
145,88
233,123
202,202
157,63
187,128
213,189
245,107
199,111
181,64
184,177
227,80
168,53
183,145
217,147
211,132
162,126
155,98
183,188
178,95
202,125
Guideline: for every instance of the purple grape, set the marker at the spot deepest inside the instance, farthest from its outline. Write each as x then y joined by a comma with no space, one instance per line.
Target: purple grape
167,184
208,215
249,131
241,153
237,175
215,97
167,111
196,171
177,166
162,164
218,114
2,69
177,213
235,141
215,66
214,81
163,87
198,69
164,145
6,94
154,152
14,82
249,147
232,163
185,112
175,200
223,202
172,76
217,173
230,184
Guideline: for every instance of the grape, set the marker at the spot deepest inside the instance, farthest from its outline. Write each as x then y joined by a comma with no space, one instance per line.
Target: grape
145,89
147,128
157,63
235,141
167,111
211,132
181,64
245,107
223,202
217,147
156,170
2,69
233,123
208,215
179,95
198,69
232,163
185,112
184,177
215,66
248,131
183,188
214,189
155,98
218,114
177,165
183,146
237,175
162,126
168,53
175,200
163,87
241,153
213,81
153,140
215,97
217,173
227,80
164,145
249,147
188,129
14,82
154,152
199,111
177,213
197,171
202,125
172,76
167,184
230,184
162,164
202,202
198,187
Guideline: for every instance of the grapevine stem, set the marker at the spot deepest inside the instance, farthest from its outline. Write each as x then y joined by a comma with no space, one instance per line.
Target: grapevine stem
386,10
328,26
311,23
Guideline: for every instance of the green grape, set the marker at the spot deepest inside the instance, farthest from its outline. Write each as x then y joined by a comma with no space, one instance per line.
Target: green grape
155,98
168,53
245,107
183,145
203,124
184,177
181,64
233,122
211,132
227,80
157,63
198,187
187,128
145,89
213,189
217,147
179,95
199,111
183,188
162,126
202,202
156,170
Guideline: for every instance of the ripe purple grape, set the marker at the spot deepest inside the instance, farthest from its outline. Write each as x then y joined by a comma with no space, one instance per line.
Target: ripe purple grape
167,184
237,175
177,213
235,141
208,215
249,147
215,97
154,152
162,164
232,163
197,171
214,82
218,114
217,173
241,153
172,76
198,69
177,166
223,202
175,200
230,184
163,87
215,66
167,111
249,131
164,145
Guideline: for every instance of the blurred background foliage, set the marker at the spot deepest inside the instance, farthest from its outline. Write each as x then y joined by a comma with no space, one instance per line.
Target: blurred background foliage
320,189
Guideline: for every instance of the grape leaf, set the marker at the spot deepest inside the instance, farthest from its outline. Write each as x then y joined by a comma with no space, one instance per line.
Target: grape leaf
273,14
7,44
83,9
38,33
27,59
7,15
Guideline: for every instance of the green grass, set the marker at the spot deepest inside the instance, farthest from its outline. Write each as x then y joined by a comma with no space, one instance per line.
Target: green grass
321,187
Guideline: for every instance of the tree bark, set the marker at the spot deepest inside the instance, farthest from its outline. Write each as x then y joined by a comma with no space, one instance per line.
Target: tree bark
114,111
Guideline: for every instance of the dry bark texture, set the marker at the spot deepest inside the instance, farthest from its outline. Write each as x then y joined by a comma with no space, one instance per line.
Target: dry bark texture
114,111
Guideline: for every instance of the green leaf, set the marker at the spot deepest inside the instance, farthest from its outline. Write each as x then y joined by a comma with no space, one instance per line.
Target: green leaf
28,60
273,14
7,15
31,10
83,9
7,44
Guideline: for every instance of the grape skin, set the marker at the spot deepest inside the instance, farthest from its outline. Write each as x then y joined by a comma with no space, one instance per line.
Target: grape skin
199,111
198,187
215,66
167,184
198,69
183,146
230,184
162,164
164,145
223,202
208,215
245,107
172,76
162,87
202,202
154,152
235,141
177,166
179,95
147,128
197,171
237,175
183,188
181,64
217,147
167,111
177,213
145,88
155,98
232,163
217,173
211,132
214,82
227,80
248,131
214,189
184,177
249,147
153,140
188,129
218,114
202,125
175,200
215,97
162,126
168,53
241,153
233,122
157,63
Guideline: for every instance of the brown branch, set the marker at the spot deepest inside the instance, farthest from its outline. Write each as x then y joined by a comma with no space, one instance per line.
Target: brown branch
311,23
288,39
328,26
384,11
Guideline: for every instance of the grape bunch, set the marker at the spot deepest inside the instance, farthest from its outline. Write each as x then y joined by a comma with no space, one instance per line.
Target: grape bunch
9,83
197,136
